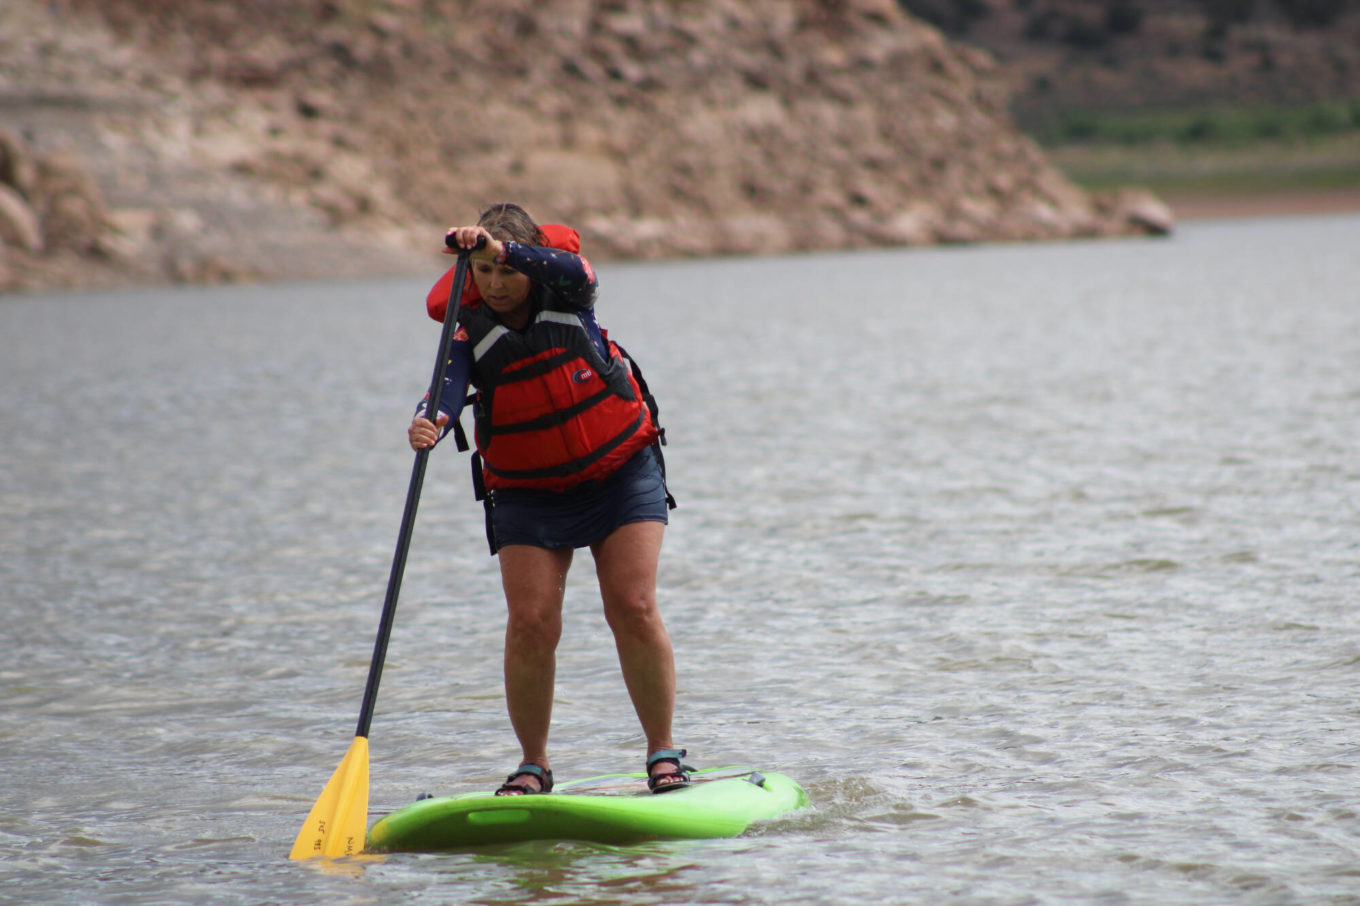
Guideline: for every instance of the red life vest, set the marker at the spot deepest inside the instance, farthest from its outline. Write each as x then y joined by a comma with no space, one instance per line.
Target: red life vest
550,411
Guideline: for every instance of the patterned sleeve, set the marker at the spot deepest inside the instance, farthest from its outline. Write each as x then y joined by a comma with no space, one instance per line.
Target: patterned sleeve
568,276
457,376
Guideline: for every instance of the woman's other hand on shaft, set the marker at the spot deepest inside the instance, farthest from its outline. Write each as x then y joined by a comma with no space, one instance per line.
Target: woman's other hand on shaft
423,433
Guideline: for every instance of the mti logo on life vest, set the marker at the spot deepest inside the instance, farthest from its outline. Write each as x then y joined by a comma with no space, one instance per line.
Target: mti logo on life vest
582,376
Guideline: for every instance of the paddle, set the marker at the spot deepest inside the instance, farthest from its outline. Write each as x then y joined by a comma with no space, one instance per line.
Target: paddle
338,822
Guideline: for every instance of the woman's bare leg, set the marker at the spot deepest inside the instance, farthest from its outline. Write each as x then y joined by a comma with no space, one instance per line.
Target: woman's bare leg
626,563
535,580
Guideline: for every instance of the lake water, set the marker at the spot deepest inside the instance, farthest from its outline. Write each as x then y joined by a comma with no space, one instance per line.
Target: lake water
1037,565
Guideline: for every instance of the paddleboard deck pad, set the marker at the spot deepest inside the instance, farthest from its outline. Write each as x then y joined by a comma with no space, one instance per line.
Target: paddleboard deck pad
615,808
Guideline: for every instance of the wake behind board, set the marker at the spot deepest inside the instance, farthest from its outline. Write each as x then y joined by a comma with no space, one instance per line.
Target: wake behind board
616,808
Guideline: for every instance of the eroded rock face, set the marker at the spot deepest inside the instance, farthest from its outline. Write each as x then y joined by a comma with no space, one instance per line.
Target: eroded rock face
333,138
52,215
19,226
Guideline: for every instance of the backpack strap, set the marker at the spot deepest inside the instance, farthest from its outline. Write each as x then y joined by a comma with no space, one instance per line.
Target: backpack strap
478,479
459,438
479,492
655,410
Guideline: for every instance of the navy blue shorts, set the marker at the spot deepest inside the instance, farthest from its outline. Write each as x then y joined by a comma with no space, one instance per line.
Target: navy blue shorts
585,514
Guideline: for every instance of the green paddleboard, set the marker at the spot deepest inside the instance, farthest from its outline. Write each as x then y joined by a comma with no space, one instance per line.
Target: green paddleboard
616,808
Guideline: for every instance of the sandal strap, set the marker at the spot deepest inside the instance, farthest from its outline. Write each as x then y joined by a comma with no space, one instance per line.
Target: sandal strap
544,775
659,783
672,755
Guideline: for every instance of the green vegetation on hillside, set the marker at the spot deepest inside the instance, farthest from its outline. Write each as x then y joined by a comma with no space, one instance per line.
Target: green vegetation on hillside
1312,147
1169,168
1210,126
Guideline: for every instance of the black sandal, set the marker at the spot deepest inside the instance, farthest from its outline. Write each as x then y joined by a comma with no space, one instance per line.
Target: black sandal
674,780
510,788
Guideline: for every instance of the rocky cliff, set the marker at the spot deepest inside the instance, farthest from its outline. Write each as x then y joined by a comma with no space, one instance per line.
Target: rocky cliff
151,141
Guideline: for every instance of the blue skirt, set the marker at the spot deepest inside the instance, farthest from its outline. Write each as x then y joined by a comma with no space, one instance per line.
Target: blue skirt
584,515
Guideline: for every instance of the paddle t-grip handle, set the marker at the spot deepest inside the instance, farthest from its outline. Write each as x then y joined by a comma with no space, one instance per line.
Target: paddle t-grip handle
448,240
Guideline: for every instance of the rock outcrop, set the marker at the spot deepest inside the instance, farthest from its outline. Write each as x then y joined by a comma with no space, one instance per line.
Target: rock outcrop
334,138
51,211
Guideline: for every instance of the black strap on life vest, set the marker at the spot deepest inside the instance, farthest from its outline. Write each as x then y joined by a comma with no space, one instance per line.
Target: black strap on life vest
478,480
655,410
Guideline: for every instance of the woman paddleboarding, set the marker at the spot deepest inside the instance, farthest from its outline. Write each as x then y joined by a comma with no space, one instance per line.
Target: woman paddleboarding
567,456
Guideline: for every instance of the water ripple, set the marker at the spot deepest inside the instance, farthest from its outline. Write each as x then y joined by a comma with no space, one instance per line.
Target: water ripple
1035,565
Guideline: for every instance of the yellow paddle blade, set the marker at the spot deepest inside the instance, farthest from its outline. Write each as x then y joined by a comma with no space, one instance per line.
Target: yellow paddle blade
337,824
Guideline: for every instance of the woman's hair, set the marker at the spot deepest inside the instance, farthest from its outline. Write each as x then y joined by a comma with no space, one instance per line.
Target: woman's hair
509,221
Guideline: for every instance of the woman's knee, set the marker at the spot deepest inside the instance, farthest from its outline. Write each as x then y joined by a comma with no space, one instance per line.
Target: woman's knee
633,611
534,580
536,629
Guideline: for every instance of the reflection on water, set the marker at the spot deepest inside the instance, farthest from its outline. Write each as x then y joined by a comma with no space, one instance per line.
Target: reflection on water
1034,564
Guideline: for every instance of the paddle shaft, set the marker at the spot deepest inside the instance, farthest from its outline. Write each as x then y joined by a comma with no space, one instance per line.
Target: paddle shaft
408,518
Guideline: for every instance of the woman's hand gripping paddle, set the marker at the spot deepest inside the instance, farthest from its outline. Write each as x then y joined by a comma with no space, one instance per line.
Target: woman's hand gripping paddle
338,823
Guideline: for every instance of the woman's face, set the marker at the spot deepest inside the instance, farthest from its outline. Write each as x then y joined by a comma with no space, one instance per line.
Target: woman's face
504,289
